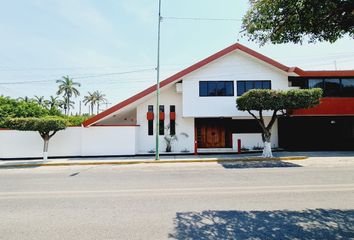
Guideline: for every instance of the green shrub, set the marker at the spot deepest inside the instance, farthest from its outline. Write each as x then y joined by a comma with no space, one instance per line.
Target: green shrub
42,125
76,120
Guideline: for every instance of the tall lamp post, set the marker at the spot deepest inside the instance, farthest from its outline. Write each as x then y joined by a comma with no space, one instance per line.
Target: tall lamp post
157,152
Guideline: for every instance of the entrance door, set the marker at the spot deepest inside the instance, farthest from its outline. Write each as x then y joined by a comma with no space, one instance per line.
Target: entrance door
213,136
213,133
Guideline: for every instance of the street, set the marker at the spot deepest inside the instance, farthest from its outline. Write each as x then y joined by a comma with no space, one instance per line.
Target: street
254,200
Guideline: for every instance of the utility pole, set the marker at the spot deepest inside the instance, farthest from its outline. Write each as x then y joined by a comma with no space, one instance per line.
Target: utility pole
157,152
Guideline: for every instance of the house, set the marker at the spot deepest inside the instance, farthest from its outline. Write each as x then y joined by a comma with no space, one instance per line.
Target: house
200,102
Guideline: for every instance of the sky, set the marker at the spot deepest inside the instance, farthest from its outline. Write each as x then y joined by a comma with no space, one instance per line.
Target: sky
111,45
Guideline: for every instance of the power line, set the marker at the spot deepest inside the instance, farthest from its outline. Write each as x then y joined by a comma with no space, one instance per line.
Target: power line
80,77
116,73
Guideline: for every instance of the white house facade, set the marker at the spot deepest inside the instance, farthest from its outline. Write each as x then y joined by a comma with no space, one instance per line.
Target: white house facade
198,106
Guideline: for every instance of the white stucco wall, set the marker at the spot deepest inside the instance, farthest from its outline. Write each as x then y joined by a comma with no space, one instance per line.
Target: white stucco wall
168,97
250,140
74,141
232,67
108,141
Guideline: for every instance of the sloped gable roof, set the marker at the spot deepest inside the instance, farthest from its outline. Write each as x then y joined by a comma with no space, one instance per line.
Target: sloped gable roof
176,77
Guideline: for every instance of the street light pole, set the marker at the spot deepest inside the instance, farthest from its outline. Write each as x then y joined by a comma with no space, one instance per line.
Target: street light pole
157,152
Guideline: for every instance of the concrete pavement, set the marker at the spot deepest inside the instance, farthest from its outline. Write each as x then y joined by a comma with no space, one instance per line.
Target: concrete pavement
331,156
267,199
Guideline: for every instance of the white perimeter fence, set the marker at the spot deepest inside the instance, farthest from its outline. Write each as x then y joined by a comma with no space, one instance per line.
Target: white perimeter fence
73,141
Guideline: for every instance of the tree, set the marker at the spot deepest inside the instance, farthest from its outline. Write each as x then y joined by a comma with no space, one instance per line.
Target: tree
90,99
46,126
95,98
66,104
19,108
283,21
25,99
277,101
100,98
67,88
52,102
40,100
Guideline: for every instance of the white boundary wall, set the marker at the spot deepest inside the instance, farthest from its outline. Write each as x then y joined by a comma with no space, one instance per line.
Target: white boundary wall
74,141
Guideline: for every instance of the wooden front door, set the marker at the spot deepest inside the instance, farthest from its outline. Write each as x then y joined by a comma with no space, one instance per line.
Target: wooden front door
211,135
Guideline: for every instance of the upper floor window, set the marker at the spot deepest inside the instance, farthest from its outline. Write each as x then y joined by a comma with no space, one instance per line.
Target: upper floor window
347,87
333,87
244,86
216,88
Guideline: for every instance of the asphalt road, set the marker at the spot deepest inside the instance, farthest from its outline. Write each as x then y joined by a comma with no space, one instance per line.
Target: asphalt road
263,200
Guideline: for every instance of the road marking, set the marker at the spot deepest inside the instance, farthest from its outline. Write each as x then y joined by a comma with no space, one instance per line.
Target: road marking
188,191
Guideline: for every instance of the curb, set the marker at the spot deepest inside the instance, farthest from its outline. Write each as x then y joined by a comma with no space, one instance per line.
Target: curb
130,162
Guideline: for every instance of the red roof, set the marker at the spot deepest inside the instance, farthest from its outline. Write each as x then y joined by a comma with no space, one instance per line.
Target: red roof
179,75
337,73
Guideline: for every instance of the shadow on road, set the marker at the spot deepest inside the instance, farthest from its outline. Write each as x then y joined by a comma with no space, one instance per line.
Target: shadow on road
83,170
258,164
307,224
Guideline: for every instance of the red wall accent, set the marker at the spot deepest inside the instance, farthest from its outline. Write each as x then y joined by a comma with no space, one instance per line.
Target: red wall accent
329,106
150,116
172,116
162,116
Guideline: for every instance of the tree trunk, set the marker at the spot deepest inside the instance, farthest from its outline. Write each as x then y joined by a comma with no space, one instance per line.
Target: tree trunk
98,107
68,104
45,148
267,149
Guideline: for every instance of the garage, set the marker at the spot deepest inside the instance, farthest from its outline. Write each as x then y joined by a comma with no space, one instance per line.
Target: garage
309,133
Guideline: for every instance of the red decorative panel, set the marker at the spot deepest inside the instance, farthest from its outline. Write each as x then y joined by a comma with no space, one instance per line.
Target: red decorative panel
162,116
172,116
329,106
150,116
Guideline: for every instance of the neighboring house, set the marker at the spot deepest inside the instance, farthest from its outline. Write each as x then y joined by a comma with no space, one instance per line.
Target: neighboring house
201,102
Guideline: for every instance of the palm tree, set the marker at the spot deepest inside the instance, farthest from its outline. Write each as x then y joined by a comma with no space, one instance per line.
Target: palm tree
67,104
53,102
67,88
90,99
62,105
40,100
25,99
100,98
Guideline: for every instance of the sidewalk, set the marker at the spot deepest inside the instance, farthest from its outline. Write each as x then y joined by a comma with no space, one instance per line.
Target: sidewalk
282,156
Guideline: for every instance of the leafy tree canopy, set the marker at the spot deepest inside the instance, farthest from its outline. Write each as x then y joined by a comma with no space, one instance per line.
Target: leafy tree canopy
265,99
275,100
76,120
14,108
42,125
282,21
